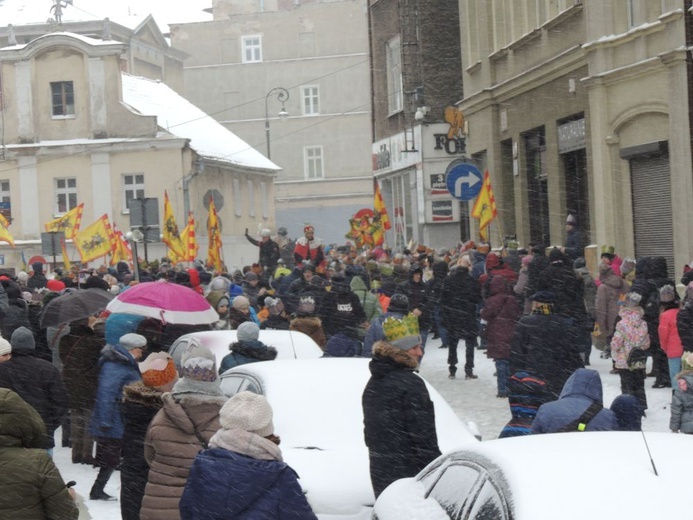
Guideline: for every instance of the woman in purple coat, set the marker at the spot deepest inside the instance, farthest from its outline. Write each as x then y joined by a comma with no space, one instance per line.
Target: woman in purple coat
500,311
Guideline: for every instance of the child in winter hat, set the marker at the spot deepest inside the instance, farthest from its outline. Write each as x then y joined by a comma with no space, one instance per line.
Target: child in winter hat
248,331
682,401
5,349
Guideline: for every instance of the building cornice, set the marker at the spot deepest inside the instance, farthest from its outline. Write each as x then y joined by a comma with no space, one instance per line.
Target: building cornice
82,146
320,181
647,29
288,60
90,47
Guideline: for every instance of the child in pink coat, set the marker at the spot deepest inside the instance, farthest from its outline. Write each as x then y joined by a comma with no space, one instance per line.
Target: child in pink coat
630,333
669,338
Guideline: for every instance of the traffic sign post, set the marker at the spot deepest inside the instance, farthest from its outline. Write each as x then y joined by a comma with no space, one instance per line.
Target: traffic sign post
463,180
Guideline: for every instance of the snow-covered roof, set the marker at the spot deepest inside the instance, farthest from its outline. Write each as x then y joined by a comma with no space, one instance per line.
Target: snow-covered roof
183,119
128,13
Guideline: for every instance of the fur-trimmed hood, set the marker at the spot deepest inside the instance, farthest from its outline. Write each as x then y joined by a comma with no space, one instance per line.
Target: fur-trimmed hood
388,352
306,324
254,349
139,393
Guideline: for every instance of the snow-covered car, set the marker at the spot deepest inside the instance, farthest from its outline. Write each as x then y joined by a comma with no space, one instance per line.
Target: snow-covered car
318,415
290,344
571,476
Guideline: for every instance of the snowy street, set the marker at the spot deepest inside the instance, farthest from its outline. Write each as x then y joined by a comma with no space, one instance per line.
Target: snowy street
473,400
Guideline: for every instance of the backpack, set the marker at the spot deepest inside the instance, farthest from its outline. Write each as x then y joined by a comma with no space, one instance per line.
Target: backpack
637,359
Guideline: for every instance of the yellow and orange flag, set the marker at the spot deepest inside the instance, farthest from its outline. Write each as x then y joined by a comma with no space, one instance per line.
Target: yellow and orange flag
214,232
69,223
171,235
94,241
120,248
379,206
485,207
189,239
5,235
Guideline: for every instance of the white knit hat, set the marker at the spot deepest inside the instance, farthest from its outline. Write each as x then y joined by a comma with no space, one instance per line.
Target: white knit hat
5,347
247,411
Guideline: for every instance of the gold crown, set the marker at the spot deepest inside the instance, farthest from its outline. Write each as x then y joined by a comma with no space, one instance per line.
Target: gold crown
395,329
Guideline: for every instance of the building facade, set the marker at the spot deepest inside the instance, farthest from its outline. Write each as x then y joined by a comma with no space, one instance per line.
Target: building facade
308,60
582,107
416,80
77,130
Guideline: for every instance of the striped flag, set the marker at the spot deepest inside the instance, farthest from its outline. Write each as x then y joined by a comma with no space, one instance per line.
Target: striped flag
189,238
214,232
120,248
171,236
485,206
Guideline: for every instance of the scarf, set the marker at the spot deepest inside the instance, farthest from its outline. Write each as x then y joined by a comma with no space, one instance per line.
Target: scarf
246,443
544,309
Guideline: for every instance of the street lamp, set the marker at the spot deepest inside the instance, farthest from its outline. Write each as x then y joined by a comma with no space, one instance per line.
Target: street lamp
282,96
133,236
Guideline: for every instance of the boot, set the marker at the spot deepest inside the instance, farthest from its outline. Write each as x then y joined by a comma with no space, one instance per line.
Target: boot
453,371
97,492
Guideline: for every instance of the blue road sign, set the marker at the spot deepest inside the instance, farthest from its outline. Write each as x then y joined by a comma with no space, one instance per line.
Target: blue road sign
463,180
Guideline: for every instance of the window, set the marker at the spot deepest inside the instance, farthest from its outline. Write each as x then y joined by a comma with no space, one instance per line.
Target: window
312,160
133,188
311,100
251,199
489,504
454,488
63,98
66,195
393,63
252,49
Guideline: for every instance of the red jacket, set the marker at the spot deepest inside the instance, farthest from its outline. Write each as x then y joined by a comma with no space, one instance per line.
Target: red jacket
669,338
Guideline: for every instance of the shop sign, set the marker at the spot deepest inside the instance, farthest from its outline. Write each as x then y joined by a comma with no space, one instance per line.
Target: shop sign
571,136
441,211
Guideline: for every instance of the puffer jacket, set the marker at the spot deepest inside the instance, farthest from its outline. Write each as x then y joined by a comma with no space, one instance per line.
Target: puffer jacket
32,487
501,311
170,448
682,404
631,332
608,294
669,338
368,300
243,352
582,389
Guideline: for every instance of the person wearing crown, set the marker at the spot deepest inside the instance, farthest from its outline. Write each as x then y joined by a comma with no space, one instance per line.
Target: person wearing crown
399,418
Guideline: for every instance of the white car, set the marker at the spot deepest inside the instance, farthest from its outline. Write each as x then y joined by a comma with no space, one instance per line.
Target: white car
290,344
318,415
566,476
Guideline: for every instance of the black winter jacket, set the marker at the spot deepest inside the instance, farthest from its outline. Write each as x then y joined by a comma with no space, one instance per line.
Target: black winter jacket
399,418
458,300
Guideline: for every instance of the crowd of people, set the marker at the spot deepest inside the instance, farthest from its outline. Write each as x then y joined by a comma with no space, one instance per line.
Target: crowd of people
124,404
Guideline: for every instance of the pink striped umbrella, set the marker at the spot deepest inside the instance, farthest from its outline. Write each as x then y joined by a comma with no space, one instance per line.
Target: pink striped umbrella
165,301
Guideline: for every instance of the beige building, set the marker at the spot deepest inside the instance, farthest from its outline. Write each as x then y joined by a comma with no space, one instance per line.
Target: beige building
77,130
581,106
310,60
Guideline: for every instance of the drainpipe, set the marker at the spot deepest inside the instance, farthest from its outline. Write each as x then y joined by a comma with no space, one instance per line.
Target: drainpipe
688,17
198,167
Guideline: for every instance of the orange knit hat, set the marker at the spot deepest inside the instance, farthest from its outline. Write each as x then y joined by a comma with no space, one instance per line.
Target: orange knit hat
159,371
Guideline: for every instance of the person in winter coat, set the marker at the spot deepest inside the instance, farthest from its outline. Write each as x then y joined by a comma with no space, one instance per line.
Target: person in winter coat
496,267
239,312
539,262
369,302
434,289
415,291
610,291
269,250
631,333
398,308
669,338
589,287
459,299
582,390
542,345
179,431
244,461
141,402
573,246
684,320
220,301
308,248
520,288
247,348
16,313
277,318
37,280
117,368
32,487
307,322
399,418
500,311
682,402
628,412
526,394
341,310
252,288
80,351
36,381
652,275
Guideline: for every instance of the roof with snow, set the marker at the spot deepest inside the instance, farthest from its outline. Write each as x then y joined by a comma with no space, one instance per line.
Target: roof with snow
181,118
128,13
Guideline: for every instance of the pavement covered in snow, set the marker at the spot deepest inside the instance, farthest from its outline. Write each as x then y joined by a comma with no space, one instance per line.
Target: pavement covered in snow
473,400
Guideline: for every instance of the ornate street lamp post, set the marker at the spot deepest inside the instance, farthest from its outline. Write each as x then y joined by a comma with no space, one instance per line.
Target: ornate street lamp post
282,96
